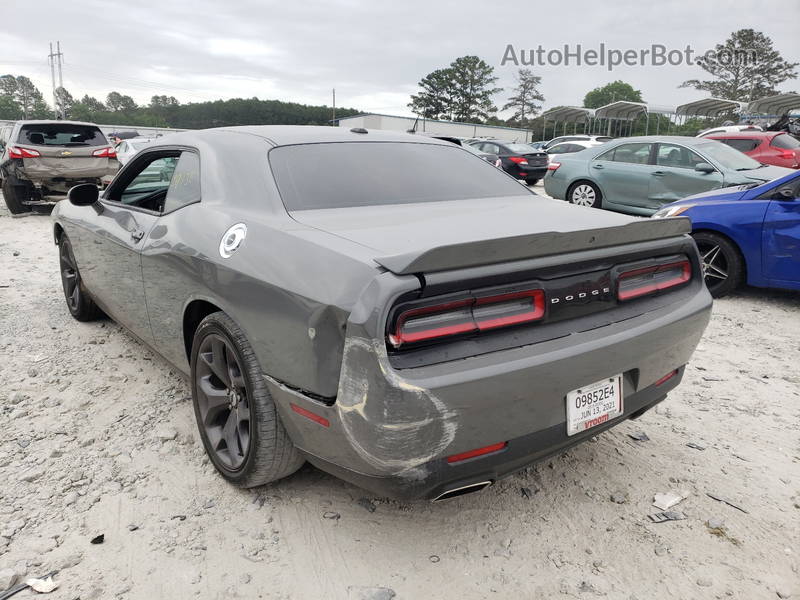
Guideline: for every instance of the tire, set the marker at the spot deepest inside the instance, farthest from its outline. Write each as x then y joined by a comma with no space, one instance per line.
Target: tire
14,198
79,302
531,181
723,265
236,416
585,193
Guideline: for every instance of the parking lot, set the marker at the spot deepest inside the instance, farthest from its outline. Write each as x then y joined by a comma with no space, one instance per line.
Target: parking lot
99,438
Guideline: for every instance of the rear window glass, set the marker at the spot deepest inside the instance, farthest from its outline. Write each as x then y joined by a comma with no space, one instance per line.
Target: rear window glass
338,175
61,134
785,141
521,148
742,145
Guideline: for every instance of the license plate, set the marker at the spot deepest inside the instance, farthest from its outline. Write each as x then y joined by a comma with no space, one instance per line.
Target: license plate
594,404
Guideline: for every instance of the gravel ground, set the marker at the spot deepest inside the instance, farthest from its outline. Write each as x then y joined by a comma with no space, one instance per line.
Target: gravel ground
98,437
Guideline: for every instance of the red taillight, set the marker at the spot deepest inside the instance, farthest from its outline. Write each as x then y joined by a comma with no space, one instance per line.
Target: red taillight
786,153
518,159
469,315
508,309
477,452
648,280
15,152
105,153
310,415
666,377
553,166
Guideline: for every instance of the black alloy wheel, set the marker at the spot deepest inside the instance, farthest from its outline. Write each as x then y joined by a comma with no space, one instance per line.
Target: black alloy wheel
236,415
80,304
223,401
723,267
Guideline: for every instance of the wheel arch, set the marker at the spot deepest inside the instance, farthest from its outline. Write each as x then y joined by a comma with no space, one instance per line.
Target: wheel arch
58,231
733,242
195,311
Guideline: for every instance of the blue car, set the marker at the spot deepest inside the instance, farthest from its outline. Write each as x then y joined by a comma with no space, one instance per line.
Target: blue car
748,233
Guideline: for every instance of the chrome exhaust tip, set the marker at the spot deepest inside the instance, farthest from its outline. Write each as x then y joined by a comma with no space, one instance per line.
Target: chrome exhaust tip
464,489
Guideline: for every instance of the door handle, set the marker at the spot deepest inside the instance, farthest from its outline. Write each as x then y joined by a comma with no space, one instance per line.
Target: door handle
137,234
658,173
597,166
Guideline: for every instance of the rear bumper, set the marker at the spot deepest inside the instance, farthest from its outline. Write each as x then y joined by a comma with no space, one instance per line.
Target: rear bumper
555,187
391,430
529,172
520,453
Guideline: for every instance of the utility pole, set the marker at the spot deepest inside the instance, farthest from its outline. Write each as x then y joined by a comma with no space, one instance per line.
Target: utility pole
53,57
53,80
333,121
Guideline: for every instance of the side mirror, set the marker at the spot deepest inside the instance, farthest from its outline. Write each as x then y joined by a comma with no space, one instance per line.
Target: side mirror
704,167
785,193
85,194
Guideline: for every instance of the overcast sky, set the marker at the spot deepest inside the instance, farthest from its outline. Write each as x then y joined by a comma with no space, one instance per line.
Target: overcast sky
372,52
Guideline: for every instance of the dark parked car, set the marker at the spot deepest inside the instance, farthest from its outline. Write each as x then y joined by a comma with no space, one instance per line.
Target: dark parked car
490,158
409,319
746,234
41,160
768,147
518,160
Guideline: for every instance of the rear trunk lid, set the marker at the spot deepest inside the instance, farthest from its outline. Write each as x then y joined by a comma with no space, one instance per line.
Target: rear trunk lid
70,162
536,159
440,236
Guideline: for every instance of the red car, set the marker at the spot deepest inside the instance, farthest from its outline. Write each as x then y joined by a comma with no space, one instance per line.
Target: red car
769,147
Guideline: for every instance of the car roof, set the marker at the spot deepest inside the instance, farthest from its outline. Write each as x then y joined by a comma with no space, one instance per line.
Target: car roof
745,135
55,122
287,135
667,139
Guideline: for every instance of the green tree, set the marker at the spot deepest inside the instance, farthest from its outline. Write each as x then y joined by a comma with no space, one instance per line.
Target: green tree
64,102
163,101
612,92
526,94
87,108
435,100
8,86
9,109
116,102
743,68
30,99
473,88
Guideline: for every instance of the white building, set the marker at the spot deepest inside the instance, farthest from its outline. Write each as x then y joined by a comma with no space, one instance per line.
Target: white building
452,128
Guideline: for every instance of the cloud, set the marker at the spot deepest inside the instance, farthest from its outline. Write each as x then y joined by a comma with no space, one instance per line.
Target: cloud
373,53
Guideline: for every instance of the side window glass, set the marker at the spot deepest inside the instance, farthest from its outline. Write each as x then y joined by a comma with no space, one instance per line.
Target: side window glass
630,153
672,155
491,148
148,188
184,188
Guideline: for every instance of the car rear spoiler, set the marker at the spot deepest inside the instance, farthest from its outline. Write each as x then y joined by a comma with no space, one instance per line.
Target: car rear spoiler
534,245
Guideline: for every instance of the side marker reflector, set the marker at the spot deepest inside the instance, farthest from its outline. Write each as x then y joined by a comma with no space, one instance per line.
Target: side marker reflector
477,452
310,415
667,377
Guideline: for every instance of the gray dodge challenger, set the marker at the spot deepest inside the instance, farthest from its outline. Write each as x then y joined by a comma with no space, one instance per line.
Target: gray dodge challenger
390,308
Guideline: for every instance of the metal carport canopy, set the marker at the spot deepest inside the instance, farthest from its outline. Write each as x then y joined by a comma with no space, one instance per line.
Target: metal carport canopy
621,109
708,107
775,105
569,114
